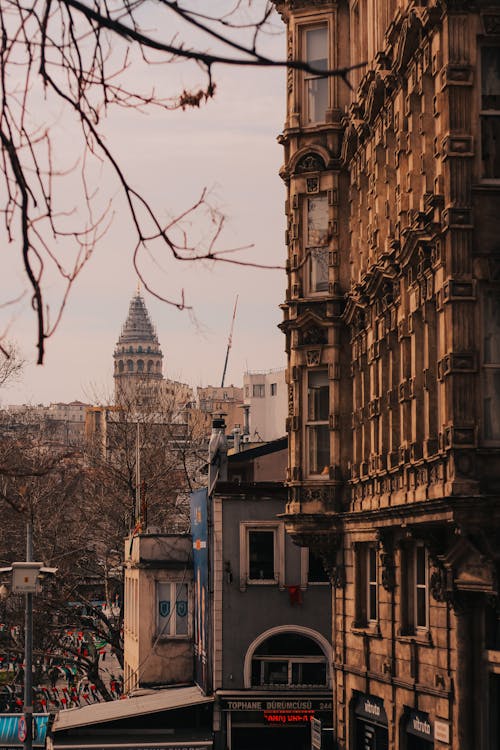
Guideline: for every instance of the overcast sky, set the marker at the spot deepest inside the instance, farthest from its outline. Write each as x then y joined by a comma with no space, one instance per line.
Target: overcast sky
228,145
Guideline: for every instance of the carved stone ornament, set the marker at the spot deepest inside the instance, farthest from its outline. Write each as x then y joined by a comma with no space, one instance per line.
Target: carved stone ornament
313,335
310,163
327,546
491,23
290,400
386,543
313,357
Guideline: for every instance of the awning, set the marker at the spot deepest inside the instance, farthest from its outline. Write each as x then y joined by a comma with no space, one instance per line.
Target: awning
153,702
121,743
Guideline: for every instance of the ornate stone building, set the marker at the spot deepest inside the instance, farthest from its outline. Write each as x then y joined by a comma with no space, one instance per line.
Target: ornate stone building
392,323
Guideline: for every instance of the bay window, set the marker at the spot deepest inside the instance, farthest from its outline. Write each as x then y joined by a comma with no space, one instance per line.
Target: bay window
315,53
318,430
316,243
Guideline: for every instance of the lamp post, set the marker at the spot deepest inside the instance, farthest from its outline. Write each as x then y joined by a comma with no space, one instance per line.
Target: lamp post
26,580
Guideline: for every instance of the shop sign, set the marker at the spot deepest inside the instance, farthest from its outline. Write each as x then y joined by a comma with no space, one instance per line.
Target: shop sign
371,708
315,734
441,731
419,725
280,718
291,705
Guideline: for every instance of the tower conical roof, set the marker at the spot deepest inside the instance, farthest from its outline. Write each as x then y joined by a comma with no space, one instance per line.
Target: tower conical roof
138,326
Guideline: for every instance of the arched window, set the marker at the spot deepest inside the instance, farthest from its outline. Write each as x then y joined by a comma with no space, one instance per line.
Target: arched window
150,365
139,349
121,366
130,365
158,367
140,365
289,660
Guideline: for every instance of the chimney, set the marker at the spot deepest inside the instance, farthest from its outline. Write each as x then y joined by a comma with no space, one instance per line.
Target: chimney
217,453
246,419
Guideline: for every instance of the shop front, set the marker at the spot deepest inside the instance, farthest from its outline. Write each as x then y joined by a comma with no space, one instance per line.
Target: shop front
265,721
370,726
418,732
170,719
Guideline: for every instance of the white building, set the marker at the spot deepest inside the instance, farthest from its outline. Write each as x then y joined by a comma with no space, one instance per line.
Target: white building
265,404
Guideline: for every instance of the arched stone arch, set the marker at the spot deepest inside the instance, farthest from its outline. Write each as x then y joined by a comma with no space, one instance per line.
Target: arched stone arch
158,367
130,365
299,630
139,349
140,365
150,365
304,158
121,366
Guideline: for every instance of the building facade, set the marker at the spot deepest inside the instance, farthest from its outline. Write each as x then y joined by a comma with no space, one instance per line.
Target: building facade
392,323
158,616
265,404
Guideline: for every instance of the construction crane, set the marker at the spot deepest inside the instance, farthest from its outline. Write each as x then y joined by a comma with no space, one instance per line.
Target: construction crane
229,342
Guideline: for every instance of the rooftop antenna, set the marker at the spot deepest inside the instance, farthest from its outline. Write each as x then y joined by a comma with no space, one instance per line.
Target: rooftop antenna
229,342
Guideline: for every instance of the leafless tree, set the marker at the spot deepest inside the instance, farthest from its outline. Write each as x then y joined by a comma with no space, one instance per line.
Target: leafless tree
11,363
71,62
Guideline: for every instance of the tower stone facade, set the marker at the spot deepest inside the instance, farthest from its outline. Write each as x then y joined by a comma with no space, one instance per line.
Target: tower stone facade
137,357
392,323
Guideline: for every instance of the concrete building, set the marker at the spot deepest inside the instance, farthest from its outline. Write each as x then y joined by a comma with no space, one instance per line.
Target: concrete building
227,400
59,424
158,617
265,404
270,617
392,323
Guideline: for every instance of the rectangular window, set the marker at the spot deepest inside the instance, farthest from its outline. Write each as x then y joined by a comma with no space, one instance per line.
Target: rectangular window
318,431
274,389
316,243
316,572
317,396
372,584
172,609
366,585
414,589
259,390
491,365
421,593
490,112
261,553
315,43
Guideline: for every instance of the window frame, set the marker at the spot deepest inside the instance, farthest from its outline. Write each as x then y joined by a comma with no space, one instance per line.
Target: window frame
484,113
303,29
258,390
488,369
291,662
315,423
311,247
365,554
409,591
305,553
278,529
171,633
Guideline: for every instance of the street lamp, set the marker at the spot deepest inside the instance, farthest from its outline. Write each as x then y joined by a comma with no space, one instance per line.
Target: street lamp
26,579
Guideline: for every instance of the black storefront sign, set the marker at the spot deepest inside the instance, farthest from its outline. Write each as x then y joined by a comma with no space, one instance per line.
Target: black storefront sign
419,725
371,708
370,725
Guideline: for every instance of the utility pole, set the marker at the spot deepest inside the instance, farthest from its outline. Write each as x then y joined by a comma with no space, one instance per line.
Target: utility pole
26,577
28,649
